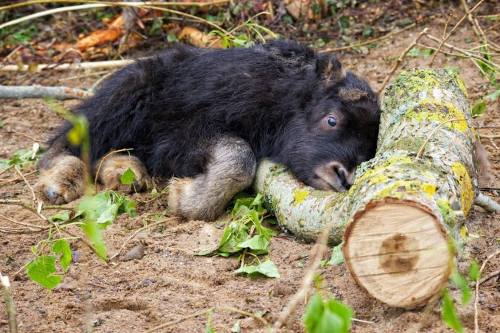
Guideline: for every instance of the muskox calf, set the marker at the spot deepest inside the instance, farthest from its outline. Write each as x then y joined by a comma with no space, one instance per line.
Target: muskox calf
203,117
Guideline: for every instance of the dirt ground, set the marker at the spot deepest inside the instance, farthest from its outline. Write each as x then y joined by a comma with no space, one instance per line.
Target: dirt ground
170,282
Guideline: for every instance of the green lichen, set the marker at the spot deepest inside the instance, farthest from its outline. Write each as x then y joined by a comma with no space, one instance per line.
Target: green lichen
444,113
448,214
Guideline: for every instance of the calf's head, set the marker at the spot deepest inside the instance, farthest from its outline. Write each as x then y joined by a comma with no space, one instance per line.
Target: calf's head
336,131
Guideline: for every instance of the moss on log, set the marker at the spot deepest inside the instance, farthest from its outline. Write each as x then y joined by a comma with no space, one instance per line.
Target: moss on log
397,218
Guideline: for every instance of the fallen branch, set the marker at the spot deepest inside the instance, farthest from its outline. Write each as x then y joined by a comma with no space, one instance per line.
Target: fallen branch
400,60
484,201
476,297
73,66
9,303
37,91
396,219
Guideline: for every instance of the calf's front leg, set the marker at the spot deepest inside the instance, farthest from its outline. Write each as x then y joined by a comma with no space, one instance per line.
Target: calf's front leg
230,169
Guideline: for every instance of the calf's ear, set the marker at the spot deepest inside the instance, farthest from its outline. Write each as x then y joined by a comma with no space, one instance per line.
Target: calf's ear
352,94
329,69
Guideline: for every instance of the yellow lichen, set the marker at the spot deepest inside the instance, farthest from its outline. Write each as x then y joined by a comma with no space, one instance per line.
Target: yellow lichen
466,188
381,178
429,189
461,85
299,195
445,113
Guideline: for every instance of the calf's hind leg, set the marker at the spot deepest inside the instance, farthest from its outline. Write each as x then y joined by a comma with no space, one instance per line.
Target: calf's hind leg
230,169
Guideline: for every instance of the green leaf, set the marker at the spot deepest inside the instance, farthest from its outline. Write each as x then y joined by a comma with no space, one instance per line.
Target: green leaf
21,158
61,247
128,177
327,316
257,243
266,268
463,285
314,312
104,207
60,217
94,234
478,109
474,274
42,269
234,234
337,257
449,315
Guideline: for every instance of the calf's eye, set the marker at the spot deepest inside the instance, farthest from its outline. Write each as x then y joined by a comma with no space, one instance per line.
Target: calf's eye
332,121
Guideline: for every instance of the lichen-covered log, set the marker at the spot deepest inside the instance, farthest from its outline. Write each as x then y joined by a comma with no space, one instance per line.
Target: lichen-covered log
397,218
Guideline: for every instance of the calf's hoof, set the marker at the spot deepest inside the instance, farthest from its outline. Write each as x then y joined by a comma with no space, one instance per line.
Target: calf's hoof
111,169
63,182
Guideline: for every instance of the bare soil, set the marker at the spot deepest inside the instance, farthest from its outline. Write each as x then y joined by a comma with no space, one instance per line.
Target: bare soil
170,282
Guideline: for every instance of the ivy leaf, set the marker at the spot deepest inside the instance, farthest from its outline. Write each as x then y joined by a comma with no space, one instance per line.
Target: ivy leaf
94,234
463,285
266,268
104,207
42,269
128,177
337,257
61,247
258,243
478,109
327,316
234,234
474,271
449,315
60,217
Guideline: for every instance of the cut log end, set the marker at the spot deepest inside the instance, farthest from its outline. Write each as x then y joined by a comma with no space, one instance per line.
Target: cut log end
398,252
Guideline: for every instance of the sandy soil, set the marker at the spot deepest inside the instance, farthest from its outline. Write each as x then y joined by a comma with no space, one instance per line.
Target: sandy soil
170,282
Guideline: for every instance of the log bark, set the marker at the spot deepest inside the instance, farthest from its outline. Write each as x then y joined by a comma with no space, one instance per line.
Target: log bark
406,204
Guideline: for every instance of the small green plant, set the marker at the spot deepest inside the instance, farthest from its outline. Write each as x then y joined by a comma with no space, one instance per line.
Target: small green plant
22,158
93,214
327,316
448,309
246,236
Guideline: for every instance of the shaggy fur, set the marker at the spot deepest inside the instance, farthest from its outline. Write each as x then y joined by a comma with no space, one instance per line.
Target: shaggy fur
277,98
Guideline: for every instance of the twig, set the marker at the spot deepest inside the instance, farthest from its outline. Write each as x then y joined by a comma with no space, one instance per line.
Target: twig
476,298
132,236
400,60
368,42
37,91
154,3
203,312
475,24
468,54
73,66
319,249
33,195
489,276
9,303
484,201
453,30
101,4
24,224
178,321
